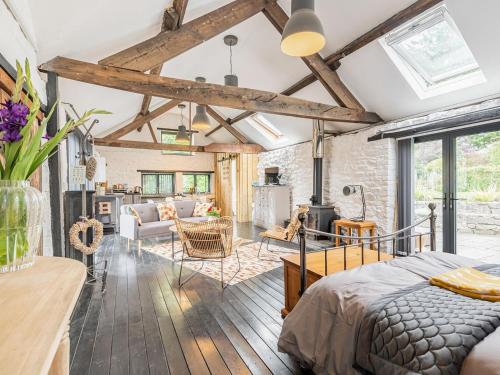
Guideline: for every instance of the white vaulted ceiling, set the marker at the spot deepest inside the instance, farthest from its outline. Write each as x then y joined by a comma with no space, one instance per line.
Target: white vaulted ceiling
92,30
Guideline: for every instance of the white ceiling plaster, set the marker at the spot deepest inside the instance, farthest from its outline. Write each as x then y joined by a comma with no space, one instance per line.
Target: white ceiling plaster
92,30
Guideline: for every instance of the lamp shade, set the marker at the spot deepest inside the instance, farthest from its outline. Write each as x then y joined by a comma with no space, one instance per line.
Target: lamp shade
182,135
200,119
348,190
303,34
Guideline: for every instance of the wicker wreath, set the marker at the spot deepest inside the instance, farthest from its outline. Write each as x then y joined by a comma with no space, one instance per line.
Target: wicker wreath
82,226
91,168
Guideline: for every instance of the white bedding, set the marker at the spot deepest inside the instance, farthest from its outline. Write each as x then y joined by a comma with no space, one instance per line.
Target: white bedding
321,330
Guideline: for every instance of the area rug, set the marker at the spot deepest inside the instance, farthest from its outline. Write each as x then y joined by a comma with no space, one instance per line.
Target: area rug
251,265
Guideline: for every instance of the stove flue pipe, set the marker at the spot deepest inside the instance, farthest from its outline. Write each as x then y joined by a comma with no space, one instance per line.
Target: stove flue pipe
318,150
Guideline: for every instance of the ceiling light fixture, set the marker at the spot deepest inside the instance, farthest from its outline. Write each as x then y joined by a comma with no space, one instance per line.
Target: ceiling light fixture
182,135
231,79
303,34
200,119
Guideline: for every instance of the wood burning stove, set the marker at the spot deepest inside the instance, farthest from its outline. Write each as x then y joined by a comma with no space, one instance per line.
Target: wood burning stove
320,216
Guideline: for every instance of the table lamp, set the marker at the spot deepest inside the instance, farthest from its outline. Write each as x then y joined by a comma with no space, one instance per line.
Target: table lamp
353,189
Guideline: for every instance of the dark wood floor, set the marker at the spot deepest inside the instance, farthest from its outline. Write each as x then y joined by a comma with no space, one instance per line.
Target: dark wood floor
144,324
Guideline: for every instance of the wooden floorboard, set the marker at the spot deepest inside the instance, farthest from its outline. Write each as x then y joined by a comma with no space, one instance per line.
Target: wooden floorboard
146,324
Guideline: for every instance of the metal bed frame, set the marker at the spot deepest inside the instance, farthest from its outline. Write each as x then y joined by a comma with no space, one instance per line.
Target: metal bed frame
399,235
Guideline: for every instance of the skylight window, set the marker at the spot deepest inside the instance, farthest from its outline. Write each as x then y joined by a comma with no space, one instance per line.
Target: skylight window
265,127
432,55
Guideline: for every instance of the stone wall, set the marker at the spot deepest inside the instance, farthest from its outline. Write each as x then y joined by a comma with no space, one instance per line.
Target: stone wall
349,159
473,217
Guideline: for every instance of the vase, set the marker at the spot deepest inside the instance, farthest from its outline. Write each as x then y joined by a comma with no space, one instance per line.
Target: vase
20,224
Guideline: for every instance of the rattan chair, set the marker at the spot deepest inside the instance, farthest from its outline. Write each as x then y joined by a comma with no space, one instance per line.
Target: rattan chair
207,241
283,234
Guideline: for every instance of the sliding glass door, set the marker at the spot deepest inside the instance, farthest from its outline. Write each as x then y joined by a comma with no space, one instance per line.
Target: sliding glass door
460,172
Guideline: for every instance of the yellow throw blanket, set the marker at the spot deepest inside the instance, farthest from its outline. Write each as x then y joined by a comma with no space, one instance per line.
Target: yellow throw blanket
470,282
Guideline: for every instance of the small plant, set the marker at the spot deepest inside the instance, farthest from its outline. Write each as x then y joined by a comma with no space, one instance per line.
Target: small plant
214,211
22,149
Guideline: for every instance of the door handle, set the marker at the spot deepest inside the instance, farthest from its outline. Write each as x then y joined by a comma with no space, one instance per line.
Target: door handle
443,199
453,199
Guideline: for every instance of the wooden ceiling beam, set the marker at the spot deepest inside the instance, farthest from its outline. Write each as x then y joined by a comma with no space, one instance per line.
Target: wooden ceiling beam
203,93
234,132
141,120
165,46
328,77
213,147
172,19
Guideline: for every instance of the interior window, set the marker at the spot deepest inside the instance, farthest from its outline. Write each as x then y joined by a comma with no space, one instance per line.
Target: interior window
157,183
432,55
196,182
168,137
260,123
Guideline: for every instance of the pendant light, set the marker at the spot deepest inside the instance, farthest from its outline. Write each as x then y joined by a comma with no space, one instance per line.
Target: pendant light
303,34
200,119
231,79
182,135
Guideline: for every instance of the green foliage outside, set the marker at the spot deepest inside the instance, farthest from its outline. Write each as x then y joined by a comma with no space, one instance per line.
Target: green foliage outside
478,168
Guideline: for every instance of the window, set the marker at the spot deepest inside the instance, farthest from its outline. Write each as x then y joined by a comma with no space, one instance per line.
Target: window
264,127
168,138
432,55
196,182
157,183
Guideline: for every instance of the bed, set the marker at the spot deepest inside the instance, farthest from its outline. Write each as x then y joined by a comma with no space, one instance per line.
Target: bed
336,337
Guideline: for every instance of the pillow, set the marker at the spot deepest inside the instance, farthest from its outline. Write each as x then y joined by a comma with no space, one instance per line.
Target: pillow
166,211
169,199
201,209
133,212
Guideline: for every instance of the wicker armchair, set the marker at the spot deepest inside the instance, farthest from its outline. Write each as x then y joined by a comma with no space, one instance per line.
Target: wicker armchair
283,234
207,241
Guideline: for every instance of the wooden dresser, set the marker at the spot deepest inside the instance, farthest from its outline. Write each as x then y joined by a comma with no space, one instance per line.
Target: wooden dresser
35,309
315,264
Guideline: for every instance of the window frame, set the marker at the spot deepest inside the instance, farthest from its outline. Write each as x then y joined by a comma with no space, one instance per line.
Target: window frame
174,132
157,183
418,78
195,174
265,127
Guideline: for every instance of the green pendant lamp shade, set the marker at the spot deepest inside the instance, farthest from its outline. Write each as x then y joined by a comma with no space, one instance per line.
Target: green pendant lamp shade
303,34
200,119
182,135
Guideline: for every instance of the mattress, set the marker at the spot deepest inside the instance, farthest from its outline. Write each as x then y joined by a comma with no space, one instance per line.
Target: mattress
322,330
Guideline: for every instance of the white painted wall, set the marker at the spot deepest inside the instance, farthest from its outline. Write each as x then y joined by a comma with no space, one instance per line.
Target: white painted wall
14,45
349,159
122,164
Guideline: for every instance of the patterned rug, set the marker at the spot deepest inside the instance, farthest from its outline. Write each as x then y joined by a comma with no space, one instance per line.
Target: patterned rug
250,265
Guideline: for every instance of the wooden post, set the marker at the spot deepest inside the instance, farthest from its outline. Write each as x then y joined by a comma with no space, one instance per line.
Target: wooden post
302,244
432,207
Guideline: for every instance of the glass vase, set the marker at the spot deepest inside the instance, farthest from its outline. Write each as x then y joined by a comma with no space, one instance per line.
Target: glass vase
20,224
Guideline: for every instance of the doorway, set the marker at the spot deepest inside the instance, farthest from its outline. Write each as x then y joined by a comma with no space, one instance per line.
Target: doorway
460,173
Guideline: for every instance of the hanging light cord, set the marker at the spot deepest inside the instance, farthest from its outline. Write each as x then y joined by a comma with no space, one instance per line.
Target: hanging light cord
231,59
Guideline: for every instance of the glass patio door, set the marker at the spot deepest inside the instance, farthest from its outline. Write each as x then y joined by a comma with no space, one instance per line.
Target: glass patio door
477,196
460,172
428,187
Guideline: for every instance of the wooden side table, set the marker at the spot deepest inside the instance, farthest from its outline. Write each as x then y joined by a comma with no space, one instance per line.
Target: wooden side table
36,306
359,226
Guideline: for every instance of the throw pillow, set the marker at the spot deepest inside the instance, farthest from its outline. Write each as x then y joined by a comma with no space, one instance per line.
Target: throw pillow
200,209
132,211
166,211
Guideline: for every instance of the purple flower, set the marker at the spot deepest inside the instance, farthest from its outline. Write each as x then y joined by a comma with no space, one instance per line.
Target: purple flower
48,137
13,117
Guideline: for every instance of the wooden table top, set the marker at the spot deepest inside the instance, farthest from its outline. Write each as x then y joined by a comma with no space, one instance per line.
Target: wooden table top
35,308
352,223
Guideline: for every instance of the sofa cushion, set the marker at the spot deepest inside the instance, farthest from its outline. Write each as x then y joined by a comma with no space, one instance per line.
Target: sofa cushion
147,211
155,229
166,211
184,208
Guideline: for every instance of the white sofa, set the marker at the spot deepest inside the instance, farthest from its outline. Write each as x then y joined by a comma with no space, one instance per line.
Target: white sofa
151,225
